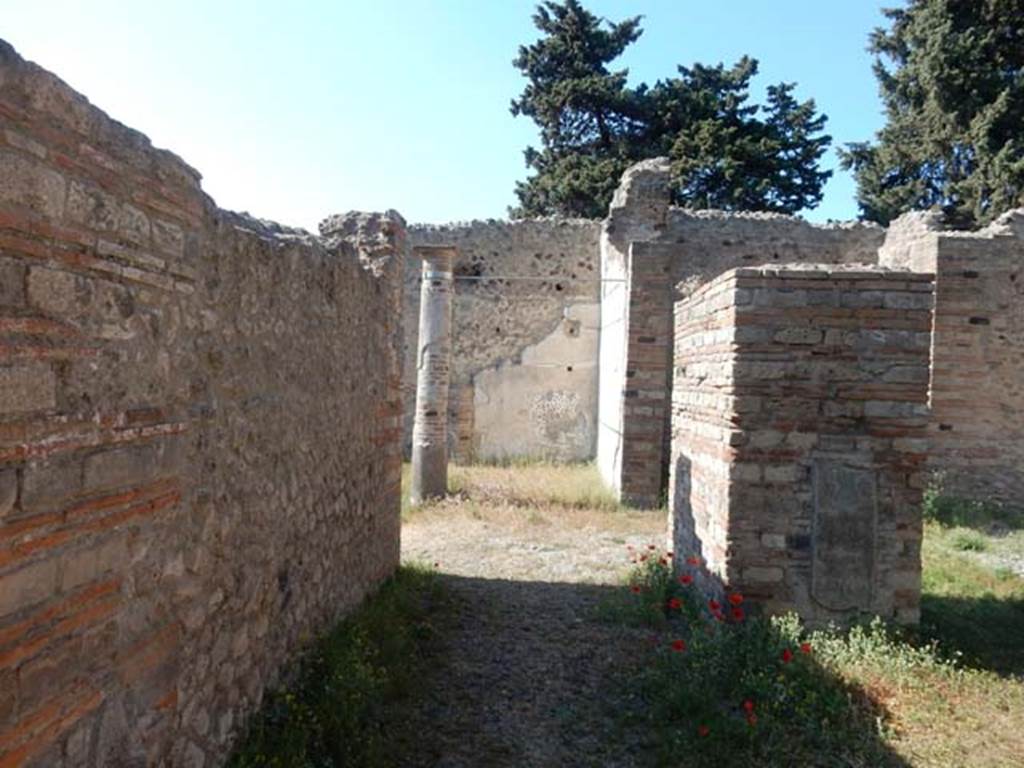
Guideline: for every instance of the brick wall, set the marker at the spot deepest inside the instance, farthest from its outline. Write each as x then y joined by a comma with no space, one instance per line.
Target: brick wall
199,438
976,436
695,247
799,422
645,407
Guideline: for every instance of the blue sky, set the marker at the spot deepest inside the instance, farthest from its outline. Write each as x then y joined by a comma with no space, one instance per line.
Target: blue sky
296,110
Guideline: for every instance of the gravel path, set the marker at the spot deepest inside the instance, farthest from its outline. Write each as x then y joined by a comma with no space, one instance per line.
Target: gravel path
525,673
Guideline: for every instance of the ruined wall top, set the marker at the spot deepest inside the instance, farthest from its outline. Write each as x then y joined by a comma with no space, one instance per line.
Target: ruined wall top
32,88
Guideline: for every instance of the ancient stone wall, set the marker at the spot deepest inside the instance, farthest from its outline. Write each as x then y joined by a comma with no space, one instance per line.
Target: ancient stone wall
199,439
799,418
976,436
697,247
524,377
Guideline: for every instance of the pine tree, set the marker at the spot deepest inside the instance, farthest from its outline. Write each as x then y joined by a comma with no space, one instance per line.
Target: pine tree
725,152
951,76
584,111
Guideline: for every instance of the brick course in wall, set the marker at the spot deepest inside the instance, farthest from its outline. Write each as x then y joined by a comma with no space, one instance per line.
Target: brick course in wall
976,436
694,247
200,421
799,425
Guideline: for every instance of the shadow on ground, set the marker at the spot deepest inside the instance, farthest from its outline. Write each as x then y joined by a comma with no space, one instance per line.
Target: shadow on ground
988,631
527,673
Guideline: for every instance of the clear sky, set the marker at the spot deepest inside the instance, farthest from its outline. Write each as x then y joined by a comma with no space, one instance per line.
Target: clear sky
294,110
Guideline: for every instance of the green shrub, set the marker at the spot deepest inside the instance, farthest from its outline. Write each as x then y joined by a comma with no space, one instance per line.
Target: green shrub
955,512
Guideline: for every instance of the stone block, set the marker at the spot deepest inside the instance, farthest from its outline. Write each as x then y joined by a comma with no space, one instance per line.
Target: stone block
120,467
916,300
51,290
168,238
861,299
27,387
45,676
92,207
27,143
27,586
8,695
783,474
884,409
746,473
29,183
763,575
12,283
84,565
802,336
48,482
133,225
8,491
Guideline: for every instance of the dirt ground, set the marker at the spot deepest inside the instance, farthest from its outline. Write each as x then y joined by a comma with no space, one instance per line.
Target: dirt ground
526,673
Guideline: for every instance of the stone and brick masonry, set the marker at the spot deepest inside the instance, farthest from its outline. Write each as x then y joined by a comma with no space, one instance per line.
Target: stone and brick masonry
976,434
201,413
799,416
200,420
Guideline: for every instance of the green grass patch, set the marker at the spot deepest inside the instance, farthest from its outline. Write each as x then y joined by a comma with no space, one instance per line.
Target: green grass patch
972,601
971,607
347,689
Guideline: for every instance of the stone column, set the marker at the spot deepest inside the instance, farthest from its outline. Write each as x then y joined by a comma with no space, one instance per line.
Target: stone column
433,369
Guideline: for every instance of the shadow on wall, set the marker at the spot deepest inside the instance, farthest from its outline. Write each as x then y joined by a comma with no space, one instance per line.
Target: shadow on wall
684,527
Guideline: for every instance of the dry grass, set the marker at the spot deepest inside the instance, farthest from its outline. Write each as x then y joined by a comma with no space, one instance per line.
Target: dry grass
574,486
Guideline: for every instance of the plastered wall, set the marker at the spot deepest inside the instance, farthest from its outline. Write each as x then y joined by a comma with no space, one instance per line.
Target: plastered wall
525,334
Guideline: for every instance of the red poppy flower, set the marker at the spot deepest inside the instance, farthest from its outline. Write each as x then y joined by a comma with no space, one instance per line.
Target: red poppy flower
718,615
678,646
751,719
787,656
805,647
635,589
693,560
748,705
643,558
703,730
675,603
735,598
686,579
714,605
737,613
